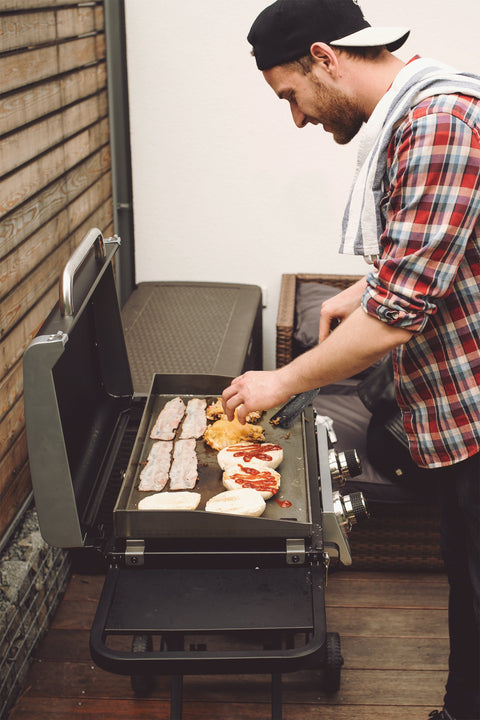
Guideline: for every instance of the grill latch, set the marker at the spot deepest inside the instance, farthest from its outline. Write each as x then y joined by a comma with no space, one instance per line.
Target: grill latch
135,553
295,551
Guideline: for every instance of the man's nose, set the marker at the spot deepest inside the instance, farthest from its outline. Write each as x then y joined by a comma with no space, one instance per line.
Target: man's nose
299,118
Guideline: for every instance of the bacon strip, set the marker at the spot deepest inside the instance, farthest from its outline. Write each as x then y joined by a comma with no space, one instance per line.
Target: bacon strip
168,420
154,475
183,473
195,422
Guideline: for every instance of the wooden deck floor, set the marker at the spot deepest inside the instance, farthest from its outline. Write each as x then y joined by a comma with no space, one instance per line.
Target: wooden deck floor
393,629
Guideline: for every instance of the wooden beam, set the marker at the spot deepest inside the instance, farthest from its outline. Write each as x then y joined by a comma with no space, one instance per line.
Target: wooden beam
20,186
29,217
41,64
25,145
18,265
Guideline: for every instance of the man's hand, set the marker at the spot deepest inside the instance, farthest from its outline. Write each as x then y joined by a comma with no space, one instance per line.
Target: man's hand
340,307
254,390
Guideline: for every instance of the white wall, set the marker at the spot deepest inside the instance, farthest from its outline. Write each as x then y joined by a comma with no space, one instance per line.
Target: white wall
225,186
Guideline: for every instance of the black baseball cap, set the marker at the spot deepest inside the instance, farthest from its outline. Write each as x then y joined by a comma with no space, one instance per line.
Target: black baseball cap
285,30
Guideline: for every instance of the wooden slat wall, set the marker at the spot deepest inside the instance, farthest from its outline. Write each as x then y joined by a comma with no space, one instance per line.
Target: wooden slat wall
55,183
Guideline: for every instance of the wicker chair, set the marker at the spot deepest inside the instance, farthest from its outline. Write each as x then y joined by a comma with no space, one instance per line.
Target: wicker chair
397,536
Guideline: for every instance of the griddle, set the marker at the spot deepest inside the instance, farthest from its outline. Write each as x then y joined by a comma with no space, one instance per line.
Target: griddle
252,589
277,521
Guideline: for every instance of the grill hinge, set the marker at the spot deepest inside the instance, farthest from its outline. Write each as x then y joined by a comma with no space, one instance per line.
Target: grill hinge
295,551
135,553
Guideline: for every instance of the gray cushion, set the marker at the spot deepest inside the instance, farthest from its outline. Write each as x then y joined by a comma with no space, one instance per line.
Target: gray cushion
350,422
309,297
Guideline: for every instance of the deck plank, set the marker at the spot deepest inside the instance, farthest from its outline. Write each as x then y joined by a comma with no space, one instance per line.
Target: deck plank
79,605
85,680
384,591
392,622
146,709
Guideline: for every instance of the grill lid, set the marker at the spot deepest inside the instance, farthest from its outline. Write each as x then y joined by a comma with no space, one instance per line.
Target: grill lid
77,385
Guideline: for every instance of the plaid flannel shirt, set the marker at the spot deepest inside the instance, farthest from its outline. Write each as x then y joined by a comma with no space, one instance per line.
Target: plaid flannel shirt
427,278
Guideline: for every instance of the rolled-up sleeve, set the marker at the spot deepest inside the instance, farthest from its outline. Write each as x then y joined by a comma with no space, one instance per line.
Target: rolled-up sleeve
430,207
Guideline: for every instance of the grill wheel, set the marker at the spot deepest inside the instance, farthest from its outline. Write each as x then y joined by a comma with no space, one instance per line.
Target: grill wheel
333,664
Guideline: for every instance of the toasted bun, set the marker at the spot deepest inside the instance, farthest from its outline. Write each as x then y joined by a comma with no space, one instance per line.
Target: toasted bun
258,454
264,480
237,502
170,501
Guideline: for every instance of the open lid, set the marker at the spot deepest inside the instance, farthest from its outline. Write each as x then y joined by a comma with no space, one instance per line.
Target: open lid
77,385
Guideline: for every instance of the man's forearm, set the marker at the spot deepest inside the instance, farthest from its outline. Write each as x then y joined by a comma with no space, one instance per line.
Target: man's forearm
354,345
340,306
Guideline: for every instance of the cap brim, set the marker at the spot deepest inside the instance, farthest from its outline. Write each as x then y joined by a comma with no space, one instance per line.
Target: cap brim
391,37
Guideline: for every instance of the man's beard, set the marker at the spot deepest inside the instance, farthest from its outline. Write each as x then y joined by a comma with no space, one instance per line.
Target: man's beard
338,112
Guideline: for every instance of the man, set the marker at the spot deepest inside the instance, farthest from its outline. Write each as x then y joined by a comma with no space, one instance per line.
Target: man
414,214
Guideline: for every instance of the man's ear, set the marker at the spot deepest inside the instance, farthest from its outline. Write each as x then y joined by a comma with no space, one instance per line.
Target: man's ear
325,56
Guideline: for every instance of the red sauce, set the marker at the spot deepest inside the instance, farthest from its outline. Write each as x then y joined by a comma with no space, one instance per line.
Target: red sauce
261,480
254,471
260,486
283,503
250,452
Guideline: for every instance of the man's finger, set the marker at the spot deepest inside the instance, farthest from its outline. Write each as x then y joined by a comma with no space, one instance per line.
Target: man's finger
324,327
230,400
242,413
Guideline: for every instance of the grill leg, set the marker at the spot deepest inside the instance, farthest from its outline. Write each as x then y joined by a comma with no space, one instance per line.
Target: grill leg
176,691
276,696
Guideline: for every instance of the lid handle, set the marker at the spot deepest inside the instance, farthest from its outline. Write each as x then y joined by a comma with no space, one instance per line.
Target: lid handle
93,237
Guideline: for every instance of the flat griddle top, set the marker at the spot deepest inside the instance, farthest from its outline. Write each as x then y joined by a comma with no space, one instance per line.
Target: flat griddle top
293,489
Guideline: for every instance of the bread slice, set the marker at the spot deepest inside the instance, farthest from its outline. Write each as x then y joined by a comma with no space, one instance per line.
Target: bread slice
170,501
259,454
237,502
264,480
